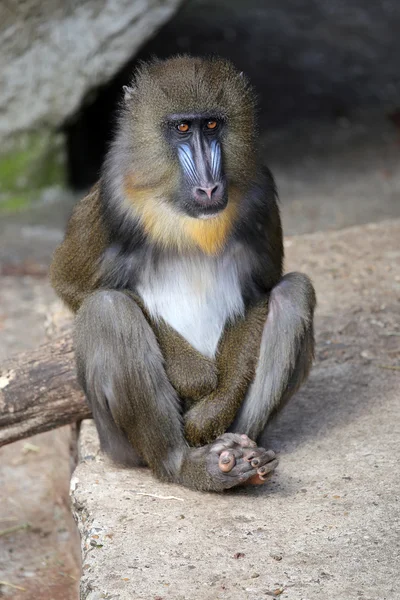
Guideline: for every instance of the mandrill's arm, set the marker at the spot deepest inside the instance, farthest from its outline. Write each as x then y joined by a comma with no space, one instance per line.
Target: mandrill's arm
236,364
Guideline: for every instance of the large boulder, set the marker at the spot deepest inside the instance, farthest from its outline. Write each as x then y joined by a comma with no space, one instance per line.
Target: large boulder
53,53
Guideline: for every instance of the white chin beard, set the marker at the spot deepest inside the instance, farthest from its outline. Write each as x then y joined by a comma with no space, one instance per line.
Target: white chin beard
207,216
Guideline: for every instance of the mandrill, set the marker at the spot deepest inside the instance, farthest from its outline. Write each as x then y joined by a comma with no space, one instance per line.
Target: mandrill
187,336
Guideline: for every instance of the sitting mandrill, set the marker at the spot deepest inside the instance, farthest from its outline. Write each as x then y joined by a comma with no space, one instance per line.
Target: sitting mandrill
185,328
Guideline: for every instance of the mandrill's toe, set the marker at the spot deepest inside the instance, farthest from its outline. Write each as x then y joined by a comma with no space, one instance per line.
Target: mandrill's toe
226,461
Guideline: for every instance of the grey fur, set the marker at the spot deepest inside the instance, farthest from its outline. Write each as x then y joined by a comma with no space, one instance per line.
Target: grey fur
111,333
286,353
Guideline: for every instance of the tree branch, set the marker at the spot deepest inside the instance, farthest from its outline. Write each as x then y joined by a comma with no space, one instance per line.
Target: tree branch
39,391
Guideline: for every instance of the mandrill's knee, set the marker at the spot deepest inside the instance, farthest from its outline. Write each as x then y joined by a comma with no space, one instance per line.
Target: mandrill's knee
101,324
111,327
105,304
108,313
294,294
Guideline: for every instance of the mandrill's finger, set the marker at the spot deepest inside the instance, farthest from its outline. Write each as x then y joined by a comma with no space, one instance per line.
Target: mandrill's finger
265,471
226,461
264,457
249,455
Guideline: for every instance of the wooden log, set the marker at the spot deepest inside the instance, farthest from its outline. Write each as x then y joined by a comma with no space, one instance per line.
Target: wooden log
39,391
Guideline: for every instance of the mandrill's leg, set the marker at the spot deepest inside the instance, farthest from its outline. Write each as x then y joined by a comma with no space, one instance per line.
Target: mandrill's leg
286,353
135,407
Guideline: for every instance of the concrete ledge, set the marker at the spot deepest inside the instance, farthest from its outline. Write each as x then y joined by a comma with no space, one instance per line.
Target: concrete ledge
326,527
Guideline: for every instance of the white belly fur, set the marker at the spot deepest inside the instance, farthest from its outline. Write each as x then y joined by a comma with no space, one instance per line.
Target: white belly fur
196,296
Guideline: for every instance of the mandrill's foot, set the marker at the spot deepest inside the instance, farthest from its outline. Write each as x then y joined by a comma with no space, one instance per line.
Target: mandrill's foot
231,460
240,461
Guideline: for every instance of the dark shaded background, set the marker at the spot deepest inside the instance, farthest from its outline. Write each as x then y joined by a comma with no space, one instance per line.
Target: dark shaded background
306,58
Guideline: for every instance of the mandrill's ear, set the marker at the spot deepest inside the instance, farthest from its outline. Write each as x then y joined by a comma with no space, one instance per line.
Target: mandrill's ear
129,92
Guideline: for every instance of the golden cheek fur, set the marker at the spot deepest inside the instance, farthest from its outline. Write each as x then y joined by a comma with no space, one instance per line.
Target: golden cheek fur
170,229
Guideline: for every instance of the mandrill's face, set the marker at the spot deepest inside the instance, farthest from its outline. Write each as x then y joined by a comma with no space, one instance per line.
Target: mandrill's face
188,130
196,139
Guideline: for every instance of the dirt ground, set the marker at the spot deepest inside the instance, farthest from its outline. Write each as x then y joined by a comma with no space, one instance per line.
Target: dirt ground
330,175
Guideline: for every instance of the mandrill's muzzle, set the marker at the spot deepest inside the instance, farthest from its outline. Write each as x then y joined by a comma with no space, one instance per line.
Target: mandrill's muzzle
202,168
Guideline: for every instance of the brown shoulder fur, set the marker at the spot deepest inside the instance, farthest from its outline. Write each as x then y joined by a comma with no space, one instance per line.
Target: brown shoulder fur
74,271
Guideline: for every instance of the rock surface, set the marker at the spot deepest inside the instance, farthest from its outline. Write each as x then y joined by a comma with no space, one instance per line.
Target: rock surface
326,526
331,176
53,52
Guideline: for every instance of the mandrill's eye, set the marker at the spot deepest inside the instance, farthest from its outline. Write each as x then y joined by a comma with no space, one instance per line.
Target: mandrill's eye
211,124
183,127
